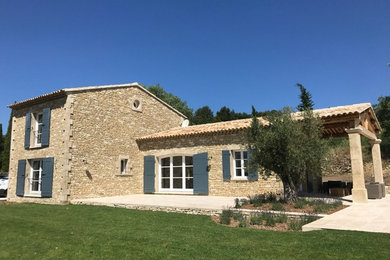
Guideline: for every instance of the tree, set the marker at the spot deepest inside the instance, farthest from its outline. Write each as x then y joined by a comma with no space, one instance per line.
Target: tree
203,115
7,144
172,100
1,145
382,111
225,114
306,99
287,147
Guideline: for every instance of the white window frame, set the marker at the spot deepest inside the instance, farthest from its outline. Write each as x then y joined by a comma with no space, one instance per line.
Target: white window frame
123,167
184,166
242,167
39,191
38,133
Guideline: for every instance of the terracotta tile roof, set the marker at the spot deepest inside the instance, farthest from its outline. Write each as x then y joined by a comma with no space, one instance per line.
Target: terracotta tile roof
212,128
39,99
65,91
237,125
339,111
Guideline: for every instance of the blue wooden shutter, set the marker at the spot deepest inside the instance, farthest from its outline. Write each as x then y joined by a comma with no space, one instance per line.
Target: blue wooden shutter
20,177
253,174
149,173
201,173
27,131
47,177
226,165
45,127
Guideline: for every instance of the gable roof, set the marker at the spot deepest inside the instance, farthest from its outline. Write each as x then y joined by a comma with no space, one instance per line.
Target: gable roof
327,114
64,92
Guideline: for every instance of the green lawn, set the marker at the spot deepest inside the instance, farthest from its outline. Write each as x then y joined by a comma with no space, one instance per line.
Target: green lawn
33,231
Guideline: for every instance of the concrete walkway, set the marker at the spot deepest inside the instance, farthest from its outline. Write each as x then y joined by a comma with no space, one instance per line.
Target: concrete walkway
173,201
373,216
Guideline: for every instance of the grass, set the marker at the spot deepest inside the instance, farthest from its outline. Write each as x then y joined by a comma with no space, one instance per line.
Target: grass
33,231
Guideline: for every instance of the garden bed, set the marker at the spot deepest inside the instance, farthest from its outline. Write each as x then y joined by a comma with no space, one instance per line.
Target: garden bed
270,201
263,220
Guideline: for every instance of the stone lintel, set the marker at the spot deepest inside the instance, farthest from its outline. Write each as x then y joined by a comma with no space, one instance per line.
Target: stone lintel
363,131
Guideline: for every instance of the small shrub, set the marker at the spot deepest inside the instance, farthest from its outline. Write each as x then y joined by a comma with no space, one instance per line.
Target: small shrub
244,202
243,223
238,216
271,197
256,219
226,216
237,204
337,204
277,206
316,202
269,219
322,208
257,204
300,204
308,219
295,225
281,218
258,198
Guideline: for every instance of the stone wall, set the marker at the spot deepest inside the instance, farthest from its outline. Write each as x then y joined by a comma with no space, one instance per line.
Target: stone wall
104,127
213,145
55,149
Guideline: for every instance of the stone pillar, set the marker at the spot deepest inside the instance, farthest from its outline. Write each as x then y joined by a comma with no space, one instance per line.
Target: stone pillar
377,160
359,192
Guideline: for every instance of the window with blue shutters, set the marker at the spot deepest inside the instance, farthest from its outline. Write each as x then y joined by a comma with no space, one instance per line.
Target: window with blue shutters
37,129
241,166
39,177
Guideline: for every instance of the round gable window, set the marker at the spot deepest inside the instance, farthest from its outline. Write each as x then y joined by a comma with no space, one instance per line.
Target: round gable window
136,104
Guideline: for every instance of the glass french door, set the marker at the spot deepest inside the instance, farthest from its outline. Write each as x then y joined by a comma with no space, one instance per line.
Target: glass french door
176,173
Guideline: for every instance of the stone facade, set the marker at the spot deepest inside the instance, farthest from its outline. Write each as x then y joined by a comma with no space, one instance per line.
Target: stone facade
104,128
214,145
90,132
56,149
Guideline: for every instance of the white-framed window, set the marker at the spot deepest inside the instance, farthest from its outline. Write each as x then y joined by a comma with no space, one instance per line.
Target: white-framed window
38,129
35,177
176,173
240,164
124,166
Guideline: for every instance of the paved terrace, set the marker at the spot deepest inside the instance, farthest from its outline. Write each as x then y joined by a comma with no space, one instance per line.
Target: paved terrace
372,216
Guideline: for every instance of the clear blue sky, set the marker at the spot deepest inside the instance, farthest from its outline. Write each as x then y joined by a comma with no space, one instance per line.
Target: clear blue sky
216,53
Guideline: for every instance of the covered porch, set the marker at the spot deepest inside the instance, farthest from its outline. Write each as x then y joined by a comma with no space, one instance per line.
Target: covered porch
353,122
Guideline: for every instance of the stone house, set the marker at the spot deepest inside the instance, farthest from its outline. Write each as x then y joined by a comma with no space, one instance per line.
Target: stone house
121,139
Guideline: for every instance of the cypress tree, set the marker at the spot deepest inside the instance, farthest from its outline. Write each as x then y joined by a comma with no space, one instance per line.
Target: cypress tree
7,144
306,99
